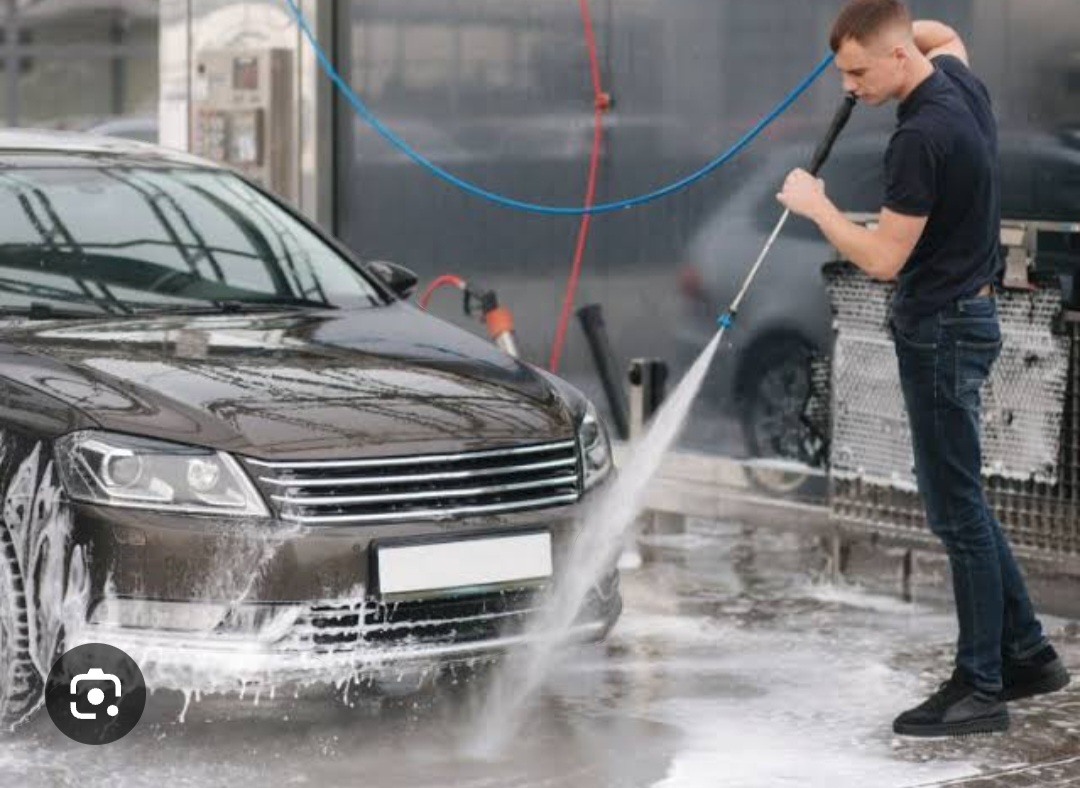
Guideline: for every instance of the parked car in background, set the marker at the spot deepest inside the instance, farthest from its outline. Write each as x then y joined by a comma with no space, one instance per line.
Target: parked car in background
141,128
233,451
762,376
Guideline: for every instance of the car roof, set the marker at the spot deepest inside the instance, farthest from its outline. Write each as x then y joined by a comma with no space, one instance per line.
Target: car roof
777,160
149,122
18,142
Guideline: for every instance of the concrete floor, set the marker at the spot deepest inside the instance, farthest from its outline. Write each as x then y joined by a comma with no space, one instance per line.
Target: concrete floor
733,665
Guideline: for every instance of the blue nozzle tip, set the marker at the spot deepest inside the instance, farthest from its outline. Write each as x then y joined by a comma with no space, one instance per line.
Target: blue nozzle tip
725,320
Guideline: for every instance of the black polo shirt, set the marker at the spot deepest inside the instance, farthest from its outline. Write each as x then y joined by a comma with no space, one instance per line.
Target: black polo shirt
942,163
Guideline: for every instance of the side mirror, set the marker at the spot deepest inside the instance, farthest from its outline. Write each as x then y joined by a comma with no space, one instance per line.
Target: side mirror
398,278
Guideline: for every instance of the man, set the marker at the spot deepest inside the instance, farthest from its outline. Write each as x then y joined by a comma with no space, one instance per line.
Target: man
938,235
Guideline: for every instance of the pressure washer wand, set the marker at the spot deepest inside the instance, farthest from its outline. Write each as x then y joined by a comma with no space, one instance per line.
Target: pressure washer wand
824,148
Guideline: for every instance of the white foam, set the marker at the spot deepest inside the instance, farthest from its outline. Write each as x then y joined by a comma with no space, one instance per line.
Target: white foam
798,708
725,747
853,595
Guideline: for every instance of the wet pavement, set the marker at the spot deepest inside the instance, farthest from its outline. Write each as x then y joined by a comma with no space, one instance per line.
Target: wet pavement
735,663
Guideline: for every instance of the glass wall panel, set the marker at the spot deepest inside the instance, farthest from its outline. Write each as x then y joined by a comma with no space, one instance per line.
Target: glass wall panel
499,93
83,65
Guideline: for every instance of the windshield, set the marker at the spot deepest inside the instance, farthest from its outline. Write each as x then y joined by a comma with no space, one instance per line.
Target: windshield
83,240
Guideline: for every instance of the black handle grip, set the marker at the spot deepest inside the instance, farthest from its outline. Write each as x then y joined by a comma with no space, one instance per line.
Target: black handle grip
840,119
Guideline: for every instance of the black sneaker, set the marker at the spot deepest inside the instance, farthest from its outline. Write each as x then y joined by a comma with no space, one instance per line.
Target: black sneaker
956,709
1038,674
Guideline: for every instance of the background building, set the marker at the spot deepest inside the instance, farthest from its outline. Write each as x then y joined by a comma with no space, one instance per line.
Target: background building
77,63
499,94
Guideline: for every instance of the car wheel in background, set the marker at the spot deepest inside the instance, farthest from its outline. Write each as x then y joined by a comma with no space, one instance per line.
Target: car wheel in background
774,388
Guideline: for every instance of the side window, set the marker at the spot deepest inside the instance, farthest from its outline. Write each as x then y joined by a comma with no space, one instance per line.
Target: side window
1057,186
1018,176
856,182
1040,180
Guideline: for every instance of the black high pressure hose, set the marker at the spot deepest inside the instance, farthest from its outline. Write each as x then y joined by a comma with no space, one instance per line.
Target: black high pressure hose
824,148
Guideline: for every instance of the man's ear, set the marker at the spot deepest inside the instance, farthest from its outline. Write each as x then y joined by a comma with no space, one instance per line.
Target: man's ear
901,56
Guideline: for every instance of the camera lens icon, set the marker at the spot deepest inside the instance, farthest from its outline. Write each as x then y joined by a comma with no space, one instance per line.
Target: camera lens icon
96,696
95,693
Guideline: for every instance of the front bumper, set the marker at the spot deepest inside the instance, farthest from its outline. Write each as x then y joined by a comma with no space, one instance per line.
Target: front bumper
302,644
214,605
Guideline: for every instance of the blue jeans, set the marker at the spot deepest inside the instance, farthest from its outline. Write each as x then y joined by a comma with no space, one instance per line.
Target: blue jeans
944,359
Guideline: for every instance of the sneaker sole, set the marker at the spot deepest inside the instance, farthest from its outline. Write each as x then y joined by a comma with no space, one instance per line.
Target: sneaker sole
999,723
1057,680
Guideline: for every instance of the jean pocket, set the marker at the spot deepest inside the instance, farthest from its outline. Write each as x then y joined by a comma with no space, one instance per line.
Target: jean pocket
913,338
974,361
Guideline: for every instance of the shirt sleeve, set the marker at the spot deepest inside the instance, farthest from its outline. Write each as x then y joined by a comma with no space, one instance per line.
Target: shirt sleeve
960,72
910,174
951,64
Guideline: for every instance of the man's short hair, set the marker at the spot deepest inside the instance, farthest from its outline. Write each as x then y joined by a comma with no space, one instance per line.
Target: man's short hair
861,20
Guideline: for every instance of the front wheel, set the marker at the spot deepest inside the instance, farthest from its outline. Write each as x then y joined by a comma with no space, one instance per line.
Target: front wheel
20,683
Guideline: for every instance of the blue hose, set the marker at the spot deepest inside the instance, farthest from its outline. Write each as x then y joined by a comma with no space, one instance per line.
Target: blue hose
552,210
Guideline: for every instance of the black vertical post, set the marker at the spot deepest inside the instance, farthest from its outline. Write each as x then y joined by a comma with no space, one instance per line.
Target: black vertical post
592,323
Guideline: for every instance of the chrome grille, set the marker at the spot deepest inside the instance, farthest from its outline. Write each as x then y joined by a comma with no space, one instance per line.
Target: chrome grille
350,626
331,628
421,487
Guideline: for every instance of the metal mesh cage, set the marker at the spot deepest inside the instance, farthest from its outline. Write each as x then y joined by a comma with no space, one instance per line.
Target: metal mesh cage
1022,400
1031,420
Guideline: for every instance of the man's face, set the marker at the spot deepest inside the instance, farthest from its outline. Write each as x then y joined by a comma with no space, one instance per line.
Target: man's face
873,72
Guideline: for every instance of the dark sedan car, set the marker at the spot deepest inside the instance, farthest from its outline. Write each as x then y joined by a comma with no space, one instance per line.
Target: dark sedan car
234,452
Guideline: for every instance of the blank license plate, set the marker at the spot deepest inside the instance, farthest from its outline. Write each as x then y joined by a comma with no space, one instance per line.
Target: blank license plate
436,566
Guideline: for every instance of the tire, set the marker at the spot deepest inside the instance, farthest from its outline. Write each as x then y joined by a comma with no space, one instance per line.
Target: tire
21,685
773,393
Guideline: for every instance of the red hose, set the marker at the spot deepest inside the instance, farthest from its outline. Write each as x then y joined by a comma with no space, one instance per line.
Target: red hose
446,280
600,103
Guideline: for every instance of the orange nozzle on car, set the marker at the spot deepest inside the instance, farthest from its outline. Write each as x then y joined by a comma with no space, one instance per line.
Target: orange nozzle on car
498,319
500,323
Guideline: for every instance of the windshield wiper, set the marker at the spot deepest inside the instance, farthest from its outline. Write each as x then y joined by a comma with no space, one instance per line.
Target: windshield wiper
228,307
40,311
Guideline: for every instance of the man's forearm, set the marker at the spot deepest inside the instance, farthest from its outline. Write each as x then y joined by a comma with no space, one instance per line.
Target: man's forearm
931,35
881,252
861,246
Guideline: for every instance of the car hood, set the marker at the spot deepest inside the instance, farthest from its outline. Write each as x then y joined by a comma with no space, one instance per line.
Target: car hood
369,382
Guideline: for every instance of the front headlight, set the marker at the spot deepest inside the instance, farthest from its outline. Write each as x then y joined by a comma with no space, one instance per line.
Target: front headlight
121,470
595,447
